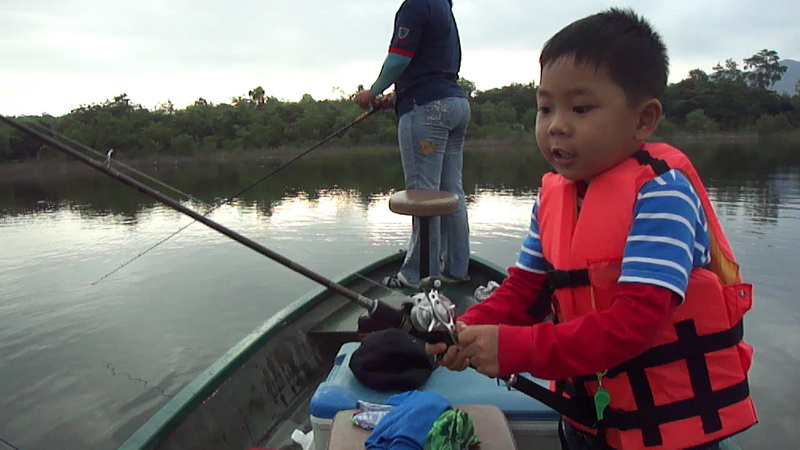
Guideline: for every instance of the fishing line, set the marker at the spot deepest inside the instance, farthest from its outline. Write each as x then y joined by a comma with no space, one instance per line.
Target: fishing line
233,197
142,381
393,292
8,444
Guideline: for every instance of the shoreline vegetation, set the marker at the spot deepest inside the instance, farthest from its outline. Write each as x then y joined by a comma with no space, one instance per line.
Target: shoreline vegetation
51,163
728,104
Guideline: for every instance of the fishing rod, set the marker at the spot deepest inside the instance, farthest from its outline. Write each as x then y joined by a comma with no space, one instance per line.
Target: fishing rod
372,110
411,320
376,308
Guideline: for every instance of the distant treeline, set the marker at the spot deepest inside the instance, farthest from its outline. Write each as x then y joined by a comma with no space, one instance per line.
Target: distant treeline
729,99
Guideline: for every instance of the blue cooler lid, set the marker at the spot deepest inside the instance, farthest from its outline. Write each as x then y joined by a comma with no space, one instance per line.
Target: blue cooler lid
341,390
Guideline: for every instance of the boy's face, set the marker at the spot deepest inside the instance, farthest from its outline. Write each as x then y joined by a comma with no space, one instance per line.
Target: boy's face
584,125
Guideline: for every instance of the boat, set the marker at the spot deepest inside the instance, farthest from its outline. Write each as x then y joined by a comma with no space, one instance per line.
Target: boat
259,392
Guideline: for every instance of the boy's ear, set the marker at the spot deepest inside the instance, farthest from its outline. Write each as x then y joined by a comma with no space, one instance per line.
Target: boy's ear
649,114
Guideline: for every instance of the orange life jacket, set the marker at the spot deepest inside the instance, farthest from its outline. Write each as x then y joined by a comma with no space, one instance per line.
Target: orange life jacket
690,388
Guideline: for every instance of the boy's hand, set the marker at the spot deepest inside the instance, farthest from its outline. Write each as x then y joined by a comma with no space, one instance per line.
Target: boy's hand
450,357
479,345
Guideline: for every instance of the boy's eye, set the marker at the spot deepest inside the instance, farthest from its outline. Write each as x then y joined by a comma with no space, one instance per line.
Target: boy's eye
544,110
582,109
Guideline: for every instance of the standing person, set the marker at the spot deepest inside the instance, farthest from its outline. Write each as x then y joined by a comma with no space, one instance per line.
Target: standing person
423,63
626,250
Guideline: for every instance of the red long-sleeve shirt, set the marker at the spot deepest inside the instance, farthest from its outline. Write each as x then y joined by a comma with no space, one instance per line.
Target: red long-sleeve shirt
589,344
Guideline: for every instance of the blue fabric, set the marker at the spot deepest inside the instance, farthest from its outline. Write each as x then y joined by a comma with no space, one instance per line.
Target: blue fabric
425,31
432,149
408,423
668,236
530,256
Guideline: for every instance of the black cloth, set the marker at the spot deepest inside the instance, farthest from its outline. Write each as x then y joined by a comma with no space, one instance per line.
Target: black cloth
391,360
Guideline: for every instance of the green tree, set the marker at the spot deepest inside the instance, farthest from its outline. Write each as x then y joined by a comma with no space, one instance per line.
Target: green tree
182,144
767,125
521,97
666,127
529,120
765,69
467,86
698,76
157,136
120,106
698,122
23,147
258,96
5,148
498,114
730,72
166,108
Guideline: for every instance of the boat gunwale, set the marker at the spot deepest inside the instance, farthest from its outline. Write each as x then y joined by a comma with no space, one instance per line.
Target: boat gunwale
171,414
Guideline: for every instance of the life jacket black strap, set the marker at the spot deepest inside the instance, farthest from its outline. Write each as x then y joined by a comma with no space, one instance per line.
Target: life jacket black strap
686,346
559,279
556,279
643,157
578,409
672,412
705,403
543,303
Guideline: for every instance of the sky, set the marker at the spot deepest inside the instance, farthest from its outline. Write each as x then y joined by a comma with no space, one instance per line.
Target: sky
58,55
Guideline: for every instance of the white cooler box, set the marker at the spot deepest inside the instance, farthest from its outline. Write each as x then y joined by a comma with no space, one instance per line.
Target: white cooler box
530,421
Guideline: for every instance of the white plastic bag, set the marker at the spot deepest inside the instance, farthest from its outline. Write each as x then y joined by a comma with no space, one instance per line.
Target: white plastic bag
306,440
482,292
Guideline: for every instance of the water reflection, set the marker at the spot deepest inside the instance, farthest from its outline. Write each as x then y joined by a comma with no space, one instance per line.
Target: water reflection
84,365
736,173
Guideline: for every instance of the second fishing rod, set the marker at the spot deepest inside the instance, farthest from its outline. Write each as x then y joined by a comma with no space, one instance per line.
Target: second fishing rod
376,308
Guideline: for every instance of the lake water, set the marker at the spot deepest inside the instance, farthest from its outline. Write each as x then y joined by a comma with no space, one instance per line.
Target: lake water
84,362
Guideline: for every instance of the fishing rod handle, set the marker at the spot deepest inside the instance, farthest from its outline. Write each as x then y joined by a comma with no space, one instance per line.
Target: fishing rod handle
400,318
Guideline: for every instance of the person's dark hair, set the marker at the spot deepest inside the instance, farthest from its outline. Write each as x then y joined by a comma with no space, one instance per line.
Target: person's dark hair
620,41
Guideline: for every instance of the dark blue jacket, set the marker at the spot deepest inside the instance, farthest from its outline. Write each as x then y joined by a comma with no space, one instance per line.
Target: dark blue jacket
425,31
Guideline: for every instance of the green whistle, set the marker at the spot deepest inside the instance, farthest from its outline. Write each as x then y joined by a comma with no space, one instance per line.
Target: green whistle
601,400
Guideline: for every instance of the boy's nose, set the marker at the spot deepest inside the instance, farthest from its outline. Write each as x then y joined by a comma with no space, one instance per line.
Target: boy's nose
559,125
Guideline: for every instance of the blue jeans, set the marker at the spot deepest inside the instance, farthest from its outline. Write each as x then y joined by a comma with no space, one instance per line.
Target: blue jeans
431,138
576,440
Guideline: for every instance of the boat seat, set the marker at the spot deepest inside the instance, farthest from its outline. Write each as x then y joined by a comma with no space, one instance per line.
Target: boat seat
423,203
490,424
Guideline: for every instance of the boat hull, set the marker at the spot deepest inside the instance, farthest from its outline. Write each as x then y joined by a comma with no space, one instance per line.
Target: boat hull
258,392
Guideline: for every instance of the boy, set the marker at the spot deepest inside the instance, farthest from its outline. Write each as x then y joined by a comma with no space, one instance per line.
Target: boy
627,252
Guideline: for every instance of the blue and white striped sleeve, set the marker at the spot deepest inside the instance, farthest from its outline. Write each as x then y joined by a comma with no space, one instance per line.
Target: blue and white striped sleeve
669,235
530,256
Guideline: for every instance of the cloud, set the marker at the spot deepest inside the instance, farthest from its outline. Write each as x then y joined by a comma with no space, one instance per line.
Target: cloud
58,55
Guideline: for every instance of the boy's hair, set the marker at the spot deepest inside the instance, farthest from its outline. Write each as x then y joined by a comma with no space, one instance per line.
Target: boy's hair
619,41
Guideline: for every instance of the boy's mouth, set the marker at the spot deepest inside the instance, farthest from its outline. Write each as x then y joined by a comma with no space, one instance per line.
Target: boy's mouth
561,155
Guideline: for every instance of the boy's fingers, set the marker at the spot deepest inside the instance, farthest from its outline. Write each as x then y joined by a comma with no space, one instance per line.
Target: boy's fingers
435,349
466,335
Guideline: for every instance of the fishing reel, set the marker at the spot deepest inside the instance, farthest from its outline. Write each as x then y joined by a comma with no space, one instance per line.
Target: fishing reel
432,314
427,315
